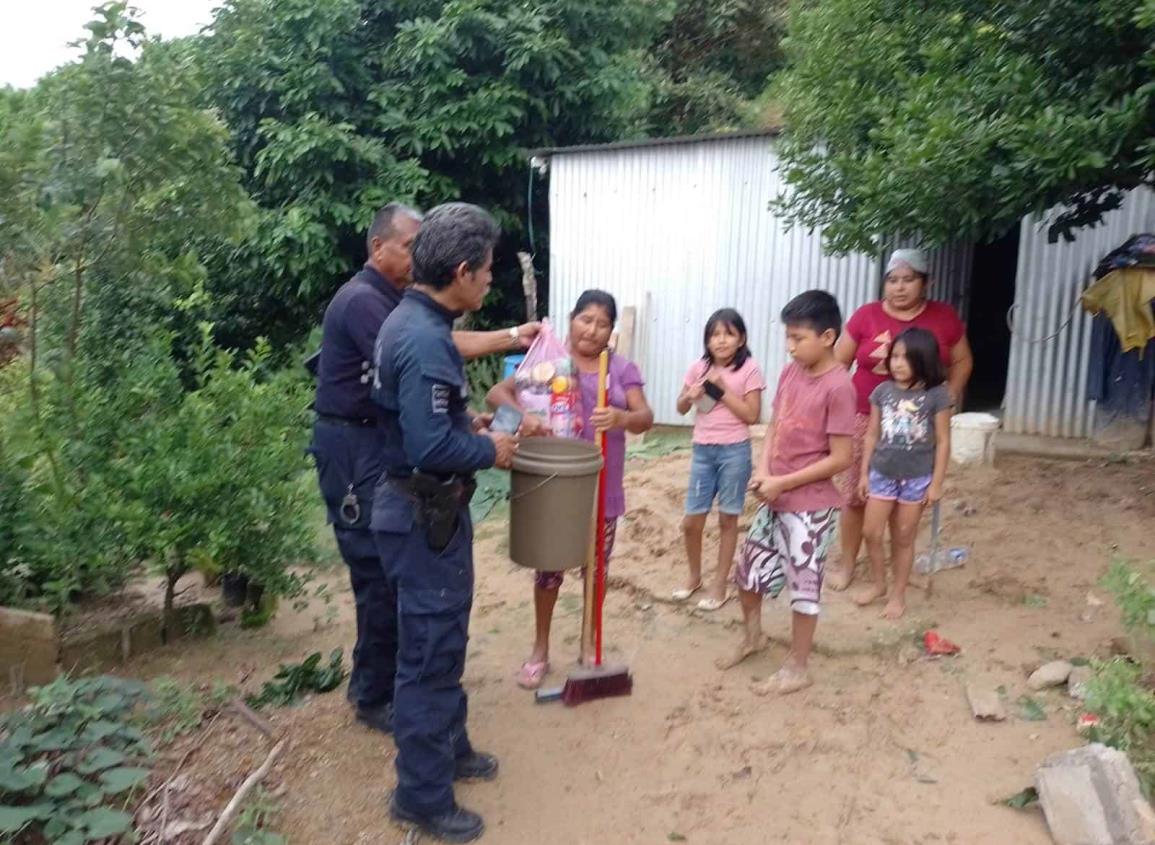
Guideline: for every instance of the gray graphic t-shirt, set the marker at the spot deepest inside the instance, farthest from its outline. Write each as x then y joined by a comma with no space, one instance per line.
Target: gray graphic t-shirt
906,441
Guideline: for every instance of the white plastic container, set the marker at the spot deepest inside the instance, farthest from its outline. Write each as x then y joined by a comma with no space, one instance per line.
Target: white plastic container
972,438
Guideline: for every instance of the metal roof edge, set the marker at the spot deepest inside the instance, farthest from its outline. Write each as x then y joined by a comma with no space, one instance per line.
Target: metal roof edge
640,143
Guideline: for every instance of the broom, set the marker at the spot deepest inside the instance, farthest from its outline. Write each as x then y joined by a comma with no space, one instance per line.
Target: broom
597,681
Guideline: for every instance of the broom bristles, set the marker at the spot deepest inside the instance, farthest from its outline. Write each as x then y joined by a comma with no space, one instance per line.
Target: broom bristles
597,682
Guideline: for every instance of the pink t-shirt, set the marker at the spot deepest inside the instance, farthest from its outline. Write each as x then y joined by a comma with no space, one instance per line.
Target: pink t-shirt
719,426
807,411
874,331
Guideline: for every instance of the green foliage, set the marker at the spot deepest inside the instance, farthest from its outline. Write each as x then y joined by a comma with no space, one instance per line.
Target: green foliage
713,59
1120,694
337,106
115,189
1126,711
71,760
116,186
954,119
295,679
482,374
255,820
1134,595
145,470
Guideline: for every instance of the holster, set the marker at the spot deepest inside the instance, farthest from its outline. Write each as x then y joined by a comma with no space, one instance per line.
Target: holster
439,505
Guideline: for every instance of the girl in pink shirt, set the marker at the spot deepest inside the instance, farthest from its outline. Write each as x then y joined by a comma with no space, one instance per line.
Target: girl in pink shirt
724,387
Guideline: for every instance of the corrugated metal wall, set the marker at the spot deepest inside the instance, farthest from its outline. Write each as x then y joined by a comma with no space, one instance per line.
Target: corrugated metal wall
1050,345
679,231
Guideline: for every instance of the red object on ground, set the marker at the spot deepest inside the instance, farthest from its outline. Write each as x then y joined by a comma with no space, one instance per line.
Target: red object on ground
1086,722
932,643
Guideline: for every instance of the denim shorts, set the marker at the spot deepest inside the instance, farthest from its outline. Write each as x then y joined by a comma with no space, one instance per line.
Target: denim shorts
722,472
907,491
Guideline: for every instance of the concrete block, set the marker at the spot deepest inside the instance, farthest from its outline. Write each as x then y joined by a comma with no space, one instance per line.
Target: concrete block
986,704
1091,796
29,648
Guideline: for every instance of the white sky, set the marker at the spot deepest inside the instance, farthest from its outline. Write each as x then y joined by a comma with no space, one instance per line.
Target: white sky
35,33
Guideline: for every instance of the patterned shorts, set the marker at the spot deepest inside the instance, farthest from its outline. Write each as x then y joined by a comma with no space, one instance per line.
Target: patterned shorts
787,549
553,580
847,480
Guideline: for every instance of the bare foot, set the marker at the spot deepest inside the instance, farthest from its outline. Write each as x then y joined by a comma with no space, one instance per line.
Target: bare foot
744,651
791,680
895,608
766,687
869,594
838,578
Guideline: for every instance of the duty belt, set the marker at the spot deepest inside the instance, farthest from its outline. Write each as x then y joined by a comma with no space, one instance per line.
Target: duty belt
350,422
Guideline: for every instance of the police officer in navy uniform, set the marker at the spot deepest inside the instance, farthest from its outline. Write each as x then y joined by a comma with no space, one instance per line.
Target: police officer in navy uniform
348,444
433,446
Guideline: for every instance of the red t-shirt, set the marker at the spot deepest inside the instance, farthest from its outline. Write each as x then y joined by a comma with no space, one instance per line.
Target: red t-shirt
874,331
807,411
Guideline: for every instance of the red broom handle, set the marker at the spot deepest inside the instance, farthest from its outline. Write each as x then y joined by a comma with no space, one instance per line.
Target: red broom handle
600,538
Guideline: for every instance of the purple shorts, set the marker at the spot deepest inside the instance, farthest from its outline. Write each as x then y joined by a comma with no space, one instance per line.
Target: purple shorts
905,491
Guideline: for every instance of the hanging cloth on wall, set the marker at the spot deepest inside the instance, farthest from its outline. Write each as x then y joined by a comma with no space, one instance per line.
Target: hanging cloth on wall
1125,296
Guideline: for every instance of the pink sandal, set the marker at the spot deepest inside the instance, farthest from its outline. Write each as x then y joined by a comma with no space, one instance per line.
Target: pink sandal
532,674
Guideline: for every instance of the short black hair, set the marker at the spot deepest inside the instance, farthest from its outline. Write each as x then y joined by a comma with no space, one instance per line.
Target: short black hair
733,320
452,234
382,226
814,309
599,298
923,355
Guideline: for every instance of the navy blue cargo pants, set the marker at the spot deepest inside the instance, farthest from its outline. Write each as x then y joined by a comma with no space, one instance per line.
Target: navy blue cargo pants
434,598
348,459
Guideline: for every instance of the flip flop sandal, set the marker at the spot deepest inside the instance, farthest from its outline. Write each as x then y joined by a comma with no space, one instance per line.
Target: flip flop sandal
710,605
532,674
681,594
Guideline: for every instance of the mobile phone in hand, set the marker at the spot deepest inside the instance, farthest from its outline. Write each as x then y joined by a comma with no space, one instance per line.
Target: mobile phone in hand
506,419
712,390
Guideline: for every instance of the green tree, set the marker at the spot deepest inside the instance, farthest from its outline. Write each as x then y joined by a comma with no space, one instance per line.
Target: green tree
954,119
337,106
714,58
126,436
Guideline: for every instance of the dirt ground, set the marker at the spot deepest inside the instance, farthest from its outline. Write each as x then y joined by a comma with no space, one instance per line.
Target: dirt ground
883,749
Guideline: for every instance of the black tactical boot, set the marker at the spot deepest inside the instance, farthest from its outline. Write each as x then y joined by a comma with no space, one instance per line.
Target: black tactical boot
377,718
455,825
476,766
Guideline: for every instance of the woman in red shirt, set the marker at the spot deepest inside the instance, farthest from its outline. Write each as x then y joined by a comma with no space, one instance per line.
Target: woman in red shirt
866,343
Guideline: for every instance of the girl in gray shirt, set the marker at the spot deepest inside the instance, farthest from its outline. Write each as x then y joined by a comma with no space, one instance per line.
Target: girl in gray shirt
904,462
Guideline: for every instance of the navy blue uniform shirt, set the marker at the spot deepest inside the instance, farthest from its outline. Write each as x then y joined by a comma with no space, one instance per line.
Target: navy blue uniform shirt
352,322
424,395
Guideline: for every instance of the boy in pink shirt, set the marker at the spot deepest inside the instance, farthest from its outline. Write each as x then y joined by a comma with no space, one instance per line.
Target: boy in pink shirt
808,443
724,388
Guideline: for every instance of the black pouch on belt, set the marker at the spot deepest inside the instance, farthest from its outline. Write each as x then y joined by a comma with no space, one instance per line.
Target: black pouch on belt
438,504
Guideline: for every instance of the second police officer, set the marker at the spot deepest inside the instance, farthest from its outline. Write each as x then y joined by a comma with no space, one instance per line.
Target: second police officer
433,447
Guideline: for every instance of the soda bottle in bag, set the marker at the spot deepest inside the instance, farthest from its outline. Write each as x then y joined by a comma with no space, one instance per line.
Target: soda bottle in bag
564,418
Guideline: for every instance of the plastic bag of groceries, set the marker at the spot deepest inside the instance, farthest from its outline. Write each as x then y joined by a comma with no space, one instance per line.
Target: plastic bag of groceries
548,384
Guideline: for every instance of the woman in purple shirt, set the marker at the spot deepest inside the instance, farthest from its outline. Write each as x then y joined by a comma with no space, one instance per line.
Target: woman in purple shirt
591,325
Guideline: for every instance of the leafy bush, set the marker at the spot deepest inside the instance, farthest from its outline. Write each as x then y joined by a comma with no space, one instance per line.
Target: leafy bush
71,760
1120,694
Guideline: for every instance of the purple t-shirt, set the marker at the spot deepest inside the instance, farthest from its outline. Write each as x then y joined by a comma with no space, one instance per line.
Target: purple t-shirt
623,375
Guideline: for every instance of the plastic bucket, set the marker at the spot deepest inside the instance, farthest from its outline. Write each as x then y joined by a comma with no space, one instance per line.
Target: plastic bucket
553,489
512,362
972,438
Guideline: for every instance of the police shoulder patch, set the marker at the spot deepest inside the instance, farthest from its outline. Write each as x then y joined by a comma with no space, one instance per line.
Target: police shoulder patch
441,395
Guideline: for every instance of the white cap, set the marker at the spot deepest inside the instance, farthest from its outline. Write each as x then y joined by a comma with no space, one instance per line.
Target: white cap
915,259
